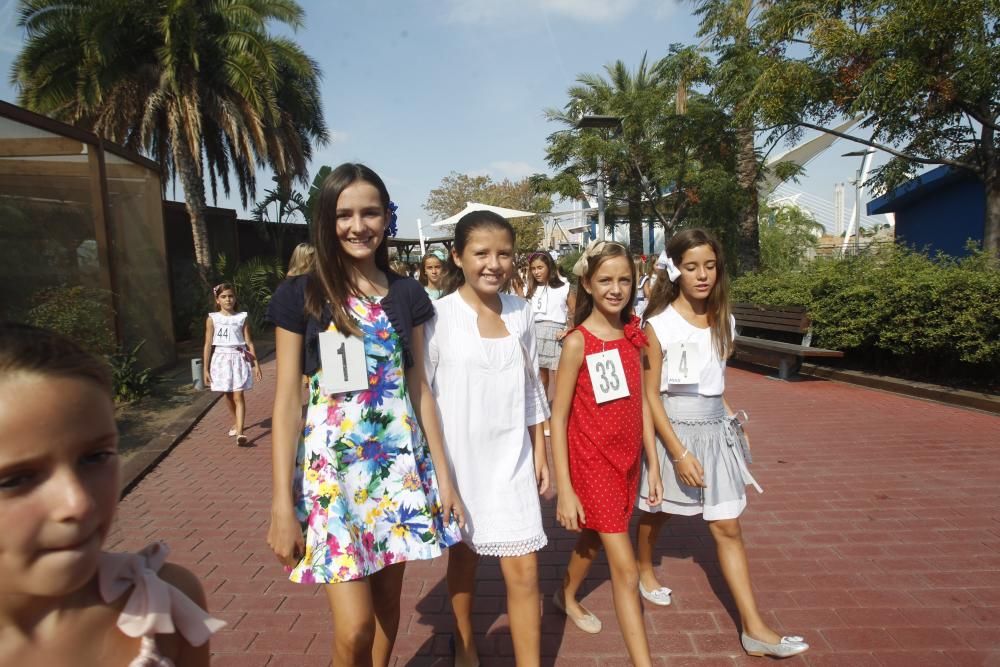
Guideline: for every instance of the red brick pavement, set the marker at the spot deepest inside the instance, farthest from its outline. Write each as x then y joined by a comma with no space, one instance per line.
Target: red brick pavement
877,538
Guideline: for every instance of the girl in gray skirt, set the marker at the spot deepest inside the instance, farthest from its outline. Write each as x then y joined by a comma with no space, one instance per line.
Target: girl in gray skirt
702,448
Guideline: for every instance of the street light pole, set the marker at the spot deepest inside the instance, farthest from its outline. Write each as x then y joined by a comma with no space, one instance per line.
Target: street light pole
609,122
858,181
600,199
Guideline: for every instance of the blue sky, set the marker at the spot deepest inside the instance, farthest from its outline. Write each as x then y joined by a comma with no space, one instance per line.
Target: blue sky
417,89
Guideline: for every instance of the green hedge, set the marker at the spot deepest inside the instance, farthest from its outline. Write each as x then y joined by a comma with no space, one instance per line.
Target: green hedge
897,311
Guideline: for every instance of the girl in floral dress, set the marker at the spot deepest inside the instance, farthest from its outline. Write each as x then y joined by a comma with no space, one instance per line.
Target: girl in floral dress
600,427
358,490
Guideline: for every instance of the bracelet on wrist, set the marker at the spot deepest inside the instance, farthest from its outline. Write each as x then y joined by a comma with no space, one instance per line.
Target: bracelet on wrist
681,457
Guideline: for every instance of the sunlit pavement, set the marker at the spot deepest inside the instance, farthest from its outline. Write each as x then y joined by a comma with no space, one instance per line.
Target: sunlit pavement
877,538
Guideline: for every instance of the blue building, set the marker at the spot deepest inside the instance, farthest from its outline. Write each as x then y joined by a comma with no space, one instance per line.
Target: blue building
938,211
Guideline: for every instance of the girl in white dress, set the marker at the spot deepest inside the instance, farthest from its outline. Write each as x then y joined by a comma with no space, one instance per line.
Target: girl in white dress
482,364
230,360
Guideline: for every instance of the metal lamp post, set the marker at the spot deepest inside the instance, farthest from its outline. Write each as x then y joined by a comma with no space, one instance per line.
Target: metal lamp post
608,122
859,177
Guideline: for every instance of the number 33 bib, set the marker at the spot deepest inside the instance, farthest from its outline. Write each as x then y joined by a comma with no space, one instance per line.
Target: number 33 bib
607,376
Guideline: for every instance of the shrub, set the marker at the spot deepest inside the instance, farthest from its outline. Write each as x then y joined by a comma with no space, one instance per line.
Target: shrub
255,281
129,380
83,314
897,310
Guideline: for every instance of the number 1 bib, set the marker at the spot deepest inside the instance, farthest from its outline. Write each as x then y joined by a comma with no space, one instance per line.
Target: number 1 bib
684,363
607,376
345,368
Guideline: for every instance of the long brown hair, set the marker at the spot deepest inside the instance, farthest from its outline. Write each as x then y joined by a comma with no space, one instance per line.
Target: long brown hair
332,281
665,292
554,279
31,350
584,301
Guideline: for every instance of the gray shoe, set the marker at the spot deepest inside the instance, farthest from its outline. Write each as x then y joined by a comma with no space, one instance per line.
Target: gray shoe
786,648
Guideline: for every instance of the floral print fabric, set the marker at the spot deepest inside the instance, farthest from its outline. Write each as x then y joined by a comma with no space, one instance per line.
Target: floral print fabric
366,493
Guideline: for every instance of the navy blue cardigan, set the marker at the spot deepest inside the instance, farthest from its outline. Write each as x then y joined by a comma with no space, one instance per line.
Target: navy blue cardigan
407,305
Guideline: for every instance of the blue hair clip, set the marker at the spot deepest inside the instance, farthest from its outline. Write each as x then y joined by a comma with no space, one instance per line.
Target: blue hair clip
392,228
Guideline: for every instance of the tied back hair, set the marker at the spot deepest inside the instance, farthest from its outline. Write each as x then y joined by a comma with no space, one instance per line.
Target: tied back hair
584,301
332,281
471,222
665,292
219,289
423,269
554,279
29,350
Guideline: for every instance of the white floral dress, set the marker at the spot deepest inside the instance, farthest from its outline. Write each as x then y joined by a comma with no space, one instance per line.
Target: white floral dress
367,494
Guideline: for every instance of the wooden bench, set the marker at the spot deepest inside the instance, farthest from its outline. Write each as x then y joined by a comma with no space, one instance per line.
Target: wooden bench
788,322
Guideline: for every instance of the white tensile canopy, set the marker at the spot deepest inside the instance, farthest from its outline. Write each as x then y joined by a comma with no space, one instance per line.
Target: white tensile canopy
474,206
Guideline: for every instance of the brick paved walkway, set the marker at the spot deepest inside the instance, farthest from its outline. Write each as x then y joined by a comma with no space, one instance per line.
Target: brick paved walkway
877,538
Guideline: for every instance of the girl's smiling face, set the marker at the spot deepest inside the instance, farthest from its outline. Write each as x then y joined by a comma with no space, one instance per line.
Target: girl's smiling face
361,220
487,259
699,272
58,482
610,285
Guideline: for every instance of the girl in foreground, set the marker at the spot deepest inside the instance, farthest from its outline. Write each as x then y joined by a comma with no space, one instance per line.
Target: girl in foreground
355,491
483,368
600,428
62,597
701,456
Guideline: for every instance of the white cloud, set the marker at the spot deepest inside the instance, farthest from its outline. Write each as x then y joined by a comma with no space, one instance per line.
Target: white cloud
514,170
478,12
590,10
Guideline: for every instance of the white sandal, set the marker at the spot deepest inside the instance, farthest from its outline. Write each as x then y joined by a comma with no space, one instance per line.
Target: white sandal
659,597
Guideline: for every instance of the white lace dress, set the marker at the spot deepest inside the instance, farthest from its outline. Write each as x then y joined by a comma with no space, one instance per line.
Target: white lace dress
488,394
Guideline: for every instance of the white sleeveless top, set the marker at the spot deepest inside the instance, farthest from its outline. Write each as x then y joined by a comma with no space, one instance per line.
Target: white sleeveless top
228,329
671,327
548,304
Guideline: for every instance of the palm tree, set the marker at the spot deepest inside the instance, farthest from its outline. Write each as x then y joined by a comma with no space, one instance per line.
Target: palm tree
200,86
286,202
638,99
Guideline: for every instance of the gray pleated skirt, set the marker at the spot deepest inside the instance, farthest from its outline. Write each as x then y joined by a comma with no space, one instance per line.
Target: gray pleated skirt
549,347
701,424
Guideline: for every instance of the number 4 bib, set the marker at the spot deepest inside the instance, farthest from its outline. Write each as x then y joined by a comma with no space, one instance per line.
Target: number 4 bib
684,363
343,360
607,376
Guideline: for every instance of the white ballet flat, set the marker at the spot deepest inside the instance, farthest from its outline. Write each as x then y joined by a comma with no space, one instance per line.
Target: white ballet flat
660,597
786,648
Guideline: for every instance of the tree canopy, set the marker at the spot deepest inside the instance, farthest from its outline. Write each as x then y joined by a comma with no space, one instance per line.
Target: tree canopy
921,76
458,189
203,88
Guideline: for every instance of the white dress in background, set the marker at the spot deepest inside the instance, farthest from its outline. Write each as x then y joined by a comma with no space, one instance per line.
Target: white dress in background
487,399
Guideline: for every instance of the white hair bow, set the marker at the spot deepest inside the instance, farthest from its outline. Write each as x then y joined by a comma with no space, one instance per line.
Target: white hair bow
664,263
593,249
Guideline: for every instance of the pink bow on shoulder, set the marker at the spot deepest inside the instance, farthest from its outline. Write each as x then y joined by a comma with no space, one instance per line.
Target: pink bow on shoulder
154,606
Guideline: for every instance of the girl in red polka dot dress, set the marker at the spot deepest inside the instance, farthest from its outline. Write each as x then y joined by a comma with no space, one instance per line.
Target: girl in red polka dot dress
600,427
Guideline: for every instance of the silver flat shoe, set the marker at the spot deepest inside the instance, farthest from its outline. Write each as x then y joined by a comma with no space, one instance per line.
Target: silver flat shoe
589,623
660,597
786,648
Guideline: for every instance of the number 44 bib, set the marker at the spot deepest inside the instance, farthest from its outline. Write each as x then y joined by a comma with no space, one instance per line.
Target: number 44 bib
343,360
607,376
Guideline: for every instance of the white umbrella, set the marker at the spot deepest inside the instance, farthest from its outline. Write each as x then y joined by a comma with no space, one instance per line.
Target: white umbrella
473,206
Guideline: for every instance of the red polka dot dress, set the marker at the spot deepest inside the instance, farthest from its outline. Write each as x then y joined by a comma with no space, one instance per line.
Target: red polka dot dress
605,440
